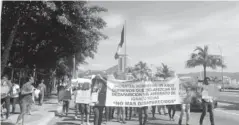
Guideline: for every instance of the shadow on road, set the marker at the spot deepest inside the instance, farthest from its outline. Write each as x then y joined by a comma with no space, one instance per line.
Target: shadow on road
161,124
66,123
6,123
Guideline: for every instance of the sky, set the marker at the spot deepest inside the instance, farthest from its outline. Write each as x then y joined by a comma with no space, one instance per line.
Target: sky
168,32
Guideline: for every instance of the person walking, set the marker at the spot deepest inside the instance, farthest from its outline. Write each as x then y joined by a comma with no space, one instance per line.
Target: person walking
42,88
5,98
207,103
171,111
128,112
99,96
153,111
15,95
185,107
163,107
143,115
25,99
81,107
66,95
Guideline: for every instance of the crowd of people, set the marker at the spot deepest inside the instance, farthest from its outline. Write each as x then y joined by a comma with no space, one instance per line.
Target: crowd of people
25,95
99,85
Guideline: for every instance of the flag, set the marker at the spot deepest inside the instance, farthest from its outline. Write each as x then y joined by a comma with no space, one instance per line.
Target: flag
120,44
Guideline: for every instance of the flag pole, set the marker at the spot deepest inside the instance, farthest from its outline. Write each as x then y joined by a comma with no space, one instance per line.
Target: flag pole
125,45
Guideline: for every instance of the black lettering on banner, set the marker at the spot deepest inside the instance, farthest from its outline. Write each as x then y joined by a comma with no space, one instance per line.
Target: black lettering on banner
130,103
118,103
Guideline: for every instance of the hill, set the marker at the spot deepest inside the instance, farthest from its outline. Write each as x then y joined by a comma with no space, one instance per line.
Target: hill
234,75
112,69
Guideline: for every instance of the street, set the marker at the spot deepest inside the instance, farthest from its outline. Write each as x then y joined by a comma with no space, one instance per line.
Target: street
229,97
225,114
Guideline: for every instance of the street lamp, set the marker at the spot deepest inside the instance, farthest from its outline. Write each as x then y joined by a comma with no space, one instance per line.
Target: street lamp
222,66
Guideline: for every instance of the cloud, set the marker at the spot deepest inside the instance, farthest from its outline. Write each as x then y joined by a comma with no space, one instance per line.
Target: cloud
113,20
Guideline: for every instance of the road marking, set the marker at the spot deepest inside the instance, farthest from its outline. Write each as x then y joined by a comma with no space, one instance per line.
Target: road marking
236,95
231,113
228,101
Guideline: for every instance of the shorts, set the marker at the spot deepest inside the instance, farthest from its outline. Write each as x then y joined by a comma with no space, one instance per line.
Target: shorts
83,108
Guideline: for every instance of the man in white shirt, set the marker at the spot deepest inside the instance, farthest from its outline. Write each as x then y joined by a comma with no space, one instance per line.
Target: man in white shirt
207,104
14,95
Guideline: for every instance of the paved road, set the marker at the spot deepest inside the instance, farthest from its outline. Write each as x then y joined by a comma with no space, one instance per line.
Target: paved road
225,114
229,97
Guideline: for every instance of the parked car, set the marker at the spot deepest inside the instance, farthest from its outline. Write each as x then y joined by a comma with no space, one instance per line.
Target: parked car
196,104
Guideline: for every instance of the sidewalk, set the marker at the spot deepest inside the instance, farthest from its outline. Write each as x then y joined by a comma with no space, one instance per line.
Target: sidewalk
40,115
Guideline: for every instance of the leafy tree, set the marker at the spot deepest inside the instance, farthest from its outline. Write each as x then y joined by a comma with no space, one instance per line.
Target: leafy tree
142,69
46,33
164,72
203,58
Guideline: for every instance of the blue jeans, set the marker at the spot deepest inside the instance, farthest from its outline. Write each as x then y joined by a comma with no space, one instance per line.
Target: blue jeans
207,106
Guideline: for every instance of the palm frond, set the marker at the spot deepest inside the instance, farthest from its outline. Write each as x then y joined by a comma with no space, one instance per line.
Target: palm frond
198,48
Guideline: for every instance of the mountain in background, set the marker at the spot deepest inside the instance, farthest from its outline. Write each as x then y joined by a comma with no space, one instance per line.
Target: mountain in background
232,75
112,69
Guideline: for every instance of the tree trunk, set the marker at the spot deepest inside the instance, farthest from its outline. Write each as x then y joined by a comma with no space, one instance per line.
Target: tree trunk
8,46
205,73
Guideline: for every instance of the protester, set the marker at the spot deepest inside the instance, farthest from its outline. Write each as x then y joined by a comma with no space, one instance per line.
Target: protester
121,114
185,107
163,107
126,113
108,113
143,111
26,98
15,95
42,88
207,104
99,93
171,109
60,88
83,108
153,111
67,95
5,93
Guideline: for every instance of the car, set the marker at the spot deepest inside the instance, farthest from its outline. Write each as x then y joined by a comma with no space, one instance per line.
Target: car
196,103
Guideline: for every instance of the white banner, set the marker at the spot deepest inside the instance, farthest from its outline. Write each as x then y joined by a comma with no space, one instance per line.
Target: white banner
139,94
83,96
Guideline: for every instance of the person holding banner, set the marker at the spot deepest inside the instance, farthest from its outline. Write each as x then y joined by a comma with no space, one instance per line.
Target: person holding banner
143,111
171,109
82,100
98,98
207,103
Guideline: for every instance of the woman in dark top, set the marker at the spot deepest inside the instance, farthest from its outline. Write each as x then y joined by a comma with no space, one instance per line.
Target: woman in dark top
99,86
67,89
25,98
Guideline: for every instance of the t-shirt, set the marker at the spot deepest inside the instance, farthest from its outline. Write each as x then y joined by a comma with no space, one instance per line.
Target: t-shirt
42,87
15,91
206,95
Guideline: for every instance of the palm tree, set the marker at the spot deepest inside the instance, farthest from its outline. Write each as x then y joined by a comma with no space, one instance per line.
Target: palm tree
142,69
203,58
164,71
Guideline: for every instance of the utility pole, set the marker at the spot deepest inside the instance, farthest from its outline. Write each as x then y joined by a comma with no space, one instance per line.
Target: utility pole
74,67
221,67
